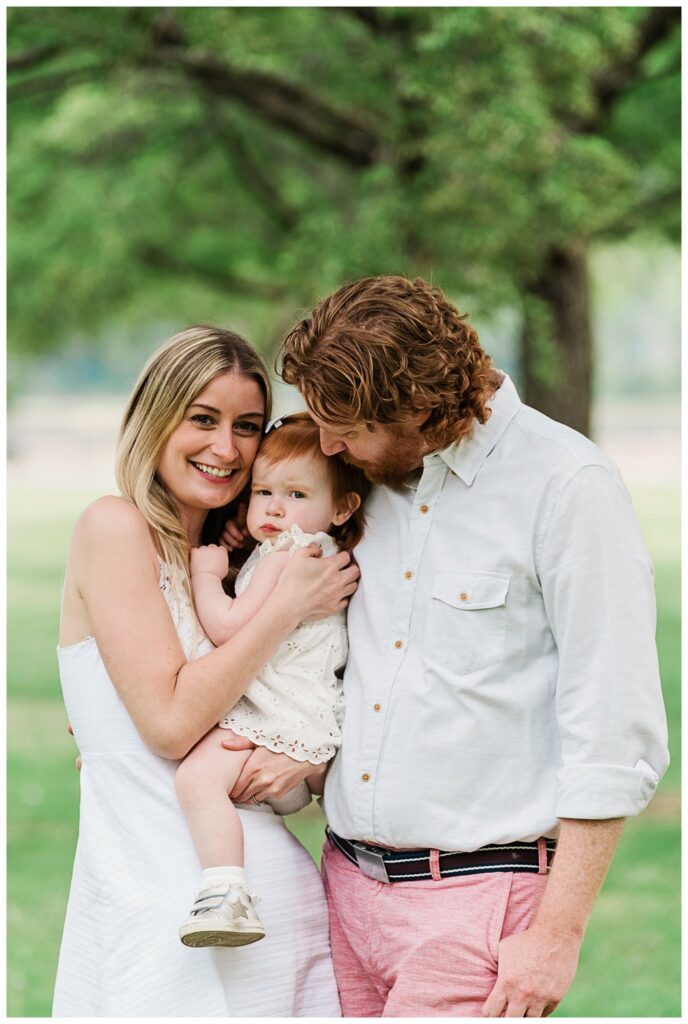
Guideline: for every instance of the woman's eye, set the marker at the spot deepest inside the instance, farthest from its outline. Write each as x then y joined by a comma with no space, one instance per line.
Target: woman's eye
203,420
246,427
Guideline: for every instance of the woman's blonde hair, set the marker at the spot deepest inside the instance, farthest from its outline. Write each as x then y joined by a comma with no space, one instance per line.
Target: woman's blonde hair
174,375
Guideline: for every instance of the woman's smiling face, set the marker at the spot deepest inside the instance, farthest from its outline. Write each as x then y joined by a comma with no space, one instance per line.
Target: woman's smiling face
206,461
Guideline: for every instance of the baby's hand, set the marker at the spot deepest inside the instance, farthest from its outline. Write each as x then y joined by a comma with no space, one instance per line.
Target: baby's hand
210,558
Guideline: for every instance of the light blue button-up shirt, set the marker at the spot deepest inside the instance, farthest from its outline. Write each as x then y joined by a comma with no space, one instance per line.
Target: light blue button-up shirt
502,671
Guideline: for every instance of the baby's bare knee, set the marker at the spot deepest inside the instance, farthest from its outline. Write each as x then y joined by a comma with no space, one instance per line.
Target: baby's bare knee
194,771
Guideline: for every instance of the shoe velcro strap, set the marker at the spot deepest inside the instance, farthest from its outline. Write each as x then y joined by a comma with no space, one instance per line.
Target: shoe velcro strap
210,902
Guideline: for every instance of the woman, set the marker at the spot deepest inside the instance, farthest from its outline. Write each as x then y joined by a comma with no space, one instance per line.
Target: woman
142,685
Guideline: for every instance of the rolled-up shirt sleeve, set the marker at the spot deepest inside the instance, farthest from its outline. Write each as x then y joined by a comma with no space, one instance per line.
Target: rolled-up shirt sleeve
597,585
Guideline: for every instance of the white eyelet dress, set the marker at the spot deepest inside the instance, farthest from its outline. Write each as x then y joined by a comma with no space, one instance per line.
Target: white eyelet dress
136,870
295,705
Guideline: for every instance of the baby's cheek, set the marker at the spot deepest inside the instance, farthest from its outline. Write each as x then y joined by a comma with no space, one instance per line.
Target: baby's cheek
252,517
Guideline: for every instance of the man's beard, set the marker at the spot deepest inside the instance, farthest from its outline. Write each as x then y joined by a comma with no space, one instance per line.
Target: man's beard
392,468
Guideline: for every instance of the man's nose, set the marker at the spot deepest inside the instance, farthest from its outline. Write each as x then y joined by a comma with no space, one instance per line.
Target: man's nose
330,444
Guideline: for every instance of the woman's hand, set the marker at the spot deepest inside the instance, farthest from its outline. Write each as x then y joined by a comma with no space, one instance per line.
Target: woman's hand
314,587
267,775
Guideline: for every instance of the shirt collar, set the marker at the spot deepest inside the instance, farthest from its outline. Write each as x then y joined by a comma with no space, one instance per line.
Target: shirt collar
413,479
465,457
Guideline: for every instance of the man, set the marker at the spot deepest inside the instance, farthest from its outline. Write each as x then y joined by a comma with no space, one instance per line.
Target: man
502,689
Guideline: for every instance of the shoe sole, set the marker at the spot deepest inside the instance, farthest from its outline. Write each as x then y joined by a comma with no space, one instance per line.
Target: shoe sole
213,937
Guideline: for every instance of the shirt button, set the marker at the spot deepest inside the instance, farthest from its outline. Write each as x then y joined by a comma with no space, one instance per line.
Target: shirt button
377,707
463,596
365,777
425,508
398,644
408,575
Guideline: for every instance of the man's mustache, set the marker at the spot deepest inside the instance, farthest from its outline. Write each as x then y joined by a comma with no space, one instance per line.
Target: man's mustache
358,463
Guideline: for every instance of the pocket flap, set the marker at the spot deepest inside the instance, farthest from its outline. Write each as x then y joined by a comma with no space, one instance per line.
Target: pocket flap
471,590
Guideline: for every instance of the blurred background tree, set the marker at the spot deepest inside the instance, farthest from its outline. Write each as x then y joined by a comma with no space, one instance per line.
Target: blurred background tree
161,159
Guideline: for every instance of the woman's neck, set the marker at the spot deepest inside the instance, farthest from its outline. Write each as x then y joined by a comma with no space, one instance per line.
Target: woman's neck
193,524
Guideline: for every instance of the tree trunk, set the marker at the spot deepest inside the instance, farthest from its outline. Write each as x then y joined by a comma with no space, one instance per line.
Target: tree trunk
556,345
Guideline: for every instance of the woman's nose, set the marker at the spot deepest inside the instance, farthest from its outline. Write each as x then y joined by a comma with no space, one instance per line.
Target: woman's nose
224,445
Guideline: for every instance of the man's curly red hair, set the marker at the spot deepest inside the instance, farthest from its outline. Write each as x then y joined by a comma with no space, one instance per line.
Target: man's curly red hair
384,348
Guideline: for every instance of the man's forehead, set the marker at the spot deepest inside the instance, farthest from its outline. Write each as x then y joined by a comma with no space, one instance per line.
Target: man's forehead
350,427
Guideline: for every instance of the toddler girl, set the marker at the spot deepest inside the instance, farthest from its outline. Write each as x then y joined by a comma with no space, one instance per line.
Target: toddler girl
298,497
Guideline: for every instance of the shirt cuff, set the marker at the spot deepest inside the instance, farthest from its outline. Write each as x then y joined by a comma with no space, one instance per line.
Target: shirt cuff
599,791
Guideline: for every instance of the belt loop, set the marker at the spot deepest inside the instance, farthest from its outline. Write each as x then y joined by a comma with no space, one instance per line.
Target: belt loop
542,856
435,873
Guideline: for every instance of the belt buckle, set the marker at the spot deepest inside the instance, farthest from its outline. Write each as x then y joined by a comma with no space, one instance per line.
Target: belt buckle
370,863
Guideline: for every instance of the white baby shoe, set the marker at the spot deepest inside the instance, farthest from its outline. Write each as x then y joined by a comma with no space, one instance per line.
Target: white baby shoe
223,914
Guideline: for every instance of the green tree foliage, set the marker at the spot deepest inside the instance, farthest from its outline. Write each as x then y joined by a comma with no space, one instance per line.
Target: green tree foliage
162,157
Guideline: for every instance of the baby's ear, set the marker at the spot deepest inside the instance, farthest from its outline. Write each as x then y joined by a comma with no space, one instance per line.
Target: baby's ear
346,508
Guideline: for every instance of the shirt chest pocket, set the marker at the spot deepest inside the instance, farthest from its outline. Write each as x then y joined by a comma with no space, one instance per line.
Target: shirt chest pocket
466,625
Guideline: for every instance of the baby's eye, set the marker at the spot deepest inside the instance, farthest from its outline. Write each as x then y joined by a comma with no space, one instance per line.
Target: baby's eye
263,491
296,494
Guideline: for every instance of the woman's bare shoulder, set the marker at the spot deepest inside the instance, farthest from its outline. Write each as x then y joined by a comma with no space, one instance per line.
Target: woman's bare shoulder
112,546
114,522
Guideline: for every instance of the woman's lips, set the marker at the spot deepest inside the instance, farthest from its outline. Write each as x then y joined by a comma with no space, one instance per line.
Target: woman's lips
213,478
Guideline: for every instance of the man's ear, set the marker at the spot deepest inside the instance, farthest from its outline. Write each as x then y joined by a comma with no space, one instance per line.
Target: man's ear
346,508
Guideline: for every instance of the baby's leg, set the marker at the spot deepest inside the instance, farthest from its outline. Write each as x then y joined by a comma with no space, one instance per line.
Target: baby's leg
223,913
204,780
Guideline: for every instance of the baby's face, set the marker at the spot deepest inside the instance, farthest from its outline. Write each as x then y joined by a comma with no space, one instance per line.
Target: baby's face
295,491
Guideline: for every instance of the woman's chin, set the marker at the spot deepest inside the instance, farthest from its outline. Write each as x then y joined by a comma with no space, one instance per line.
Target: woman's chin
220,497
213,495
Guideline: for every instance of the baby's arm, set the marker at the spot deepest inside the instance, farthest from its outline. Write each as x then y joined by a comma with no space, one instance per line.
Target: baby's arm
220,615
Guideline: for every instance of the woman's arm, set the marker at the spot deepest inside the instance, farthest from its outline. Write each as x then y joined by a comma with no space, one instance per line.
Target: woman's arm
173,702
220,615
267,775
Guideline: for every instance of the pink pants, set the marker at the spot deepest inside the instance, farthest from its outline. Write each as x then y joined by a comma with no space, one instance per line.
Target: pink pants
421,949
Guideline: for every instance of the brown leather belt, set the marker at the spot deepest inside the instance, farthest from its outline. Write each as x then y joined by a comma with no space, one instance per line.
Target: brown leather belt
416,865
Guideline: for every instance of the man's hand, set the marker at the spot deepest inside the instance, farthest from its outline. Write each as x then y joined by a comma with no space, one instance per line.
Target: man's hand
210,558
537,966
267,774
78,760
235,534
536,969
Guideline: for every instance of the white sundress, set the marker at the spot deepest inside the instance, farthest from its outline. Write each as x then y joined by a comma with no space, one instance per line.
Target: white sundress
136,870
295,705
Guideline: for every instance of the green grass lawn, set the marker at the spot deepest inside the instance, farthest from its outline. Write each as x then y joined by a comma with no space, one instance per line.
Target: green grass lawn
630,961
